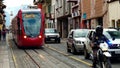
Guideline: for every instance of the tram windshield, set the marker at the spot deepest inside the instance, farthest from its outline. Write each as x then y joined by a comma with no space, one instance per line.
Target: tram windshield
32,23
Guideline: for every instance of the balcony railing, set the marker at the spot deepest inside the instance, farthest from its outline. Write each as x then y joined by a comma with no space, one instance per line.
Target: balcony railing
47,15
71,0
76,14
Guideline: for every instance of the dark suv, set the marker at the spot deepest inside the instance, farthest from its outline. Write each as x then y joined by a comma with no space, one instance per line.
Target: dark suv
51,34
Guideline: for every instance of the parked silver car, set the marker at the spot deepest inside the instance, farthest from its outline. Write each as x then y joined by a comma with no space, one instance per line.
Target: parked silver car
51,34
76,40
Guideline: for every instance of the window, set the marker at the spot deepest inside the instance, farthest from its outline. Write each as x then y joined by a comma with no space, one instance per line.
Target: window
113,23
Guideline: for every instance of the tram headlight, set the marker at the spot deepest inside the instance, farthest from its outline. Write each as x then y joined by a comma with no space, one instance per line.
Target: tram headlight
40,36
25,36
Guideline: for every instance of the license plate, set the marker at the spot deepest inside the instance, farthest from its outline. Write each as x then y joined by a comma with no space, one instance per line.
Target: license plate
52,39
117,52
52,36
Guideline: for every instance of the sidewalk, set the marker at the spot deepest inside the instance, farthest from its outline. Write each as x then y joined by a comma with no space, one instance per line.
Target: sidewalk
63,39
5,55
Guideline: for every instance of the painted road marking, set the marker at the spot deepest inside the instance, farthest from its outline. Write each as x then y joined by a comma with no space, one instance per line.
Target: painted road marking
72,57
13,56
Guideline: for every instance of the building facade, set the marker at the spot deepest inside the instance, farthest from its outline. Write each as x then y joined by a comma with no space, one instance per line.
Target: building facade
75,19
76,14
101,12
2,15
63,14
92,13
86,13
114,13
46,8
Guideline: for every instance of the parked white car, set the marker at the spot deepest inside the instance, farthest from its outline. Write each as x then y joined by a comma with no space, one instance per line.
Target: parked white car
52,34
76,39
113,41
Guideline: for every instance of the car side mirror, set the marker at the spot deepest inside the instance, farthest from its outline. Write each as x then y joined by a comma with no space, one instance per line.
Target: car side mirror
90,38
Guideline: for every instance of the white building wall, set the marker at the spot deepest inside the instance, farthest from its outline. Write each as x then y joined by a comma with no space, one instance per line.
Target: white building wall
114,12
53,2
59,8
53,11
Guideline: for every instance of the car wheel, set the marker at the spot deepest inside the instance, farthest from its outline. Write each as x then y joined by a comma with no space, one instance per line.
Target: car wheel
73,50
45,41
86,55
68,50
56,41
59,41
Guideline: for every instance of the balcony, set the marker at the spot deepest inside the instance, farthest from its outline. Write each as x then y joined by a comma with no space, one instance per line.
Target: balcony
76,14
74,6
71,0
109,1
52,16
47,15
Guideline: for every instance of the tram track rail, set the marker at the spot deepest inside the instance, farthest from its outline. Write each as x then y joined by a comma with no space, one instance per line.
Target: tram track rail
69,56
26,51
16,65
38,53
32,58
13,56
72,66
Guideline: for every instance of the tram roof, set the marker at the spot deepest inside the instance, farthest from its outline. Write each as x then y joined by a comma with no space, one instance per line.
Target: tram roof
30,10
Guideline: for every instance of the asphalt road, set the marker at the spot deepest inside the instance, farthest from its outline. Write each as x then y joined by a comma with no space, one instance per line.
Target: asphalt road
52,55
62,48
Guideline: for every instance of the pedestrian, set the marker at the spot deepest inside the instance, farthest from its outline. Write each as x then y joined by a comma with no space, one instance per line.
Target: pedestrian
4,34
0,35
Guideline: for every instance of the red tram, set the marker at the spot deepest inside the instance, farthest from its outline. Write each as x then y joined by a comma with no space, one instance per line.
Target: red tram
28,28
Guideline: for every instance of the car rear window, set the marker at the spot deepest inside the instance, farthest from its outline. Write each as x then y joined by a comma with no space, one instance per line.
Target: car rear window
50,31
81,33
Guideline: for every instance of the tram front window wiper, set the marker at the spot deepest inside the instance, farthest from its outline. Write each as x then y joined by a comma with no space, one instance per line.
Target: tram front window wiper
28,32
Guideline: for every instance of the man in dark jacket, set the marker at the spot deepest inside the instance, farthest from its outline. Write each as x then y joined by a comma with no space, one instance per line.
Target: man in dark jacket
96,40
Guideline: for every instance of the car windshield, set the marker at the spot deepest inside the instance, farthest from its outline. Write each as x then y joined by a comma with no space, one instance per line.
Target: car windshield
80,33
112,34
51,31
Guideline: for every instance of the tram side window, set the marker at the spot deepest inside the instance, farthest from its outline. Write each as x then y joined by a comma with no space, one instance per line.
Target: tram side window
18,24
